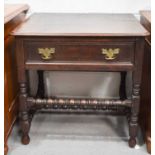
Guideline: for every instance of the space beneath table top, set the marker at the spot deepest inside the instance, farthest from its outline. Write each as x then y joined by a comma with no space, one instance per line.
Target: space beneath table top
78,24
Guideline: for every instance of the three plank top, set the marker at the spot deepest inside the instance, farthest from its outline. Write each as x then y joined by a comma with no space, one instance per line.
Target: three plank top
67,24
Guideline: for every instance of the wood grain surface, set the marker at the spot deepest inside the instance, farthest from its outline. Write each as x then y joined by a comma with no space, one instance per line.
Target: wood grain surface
78,40
58,24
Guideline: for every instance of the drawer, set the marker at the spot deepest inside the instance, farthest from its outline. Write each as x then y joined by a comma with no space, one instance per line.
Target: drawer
99,51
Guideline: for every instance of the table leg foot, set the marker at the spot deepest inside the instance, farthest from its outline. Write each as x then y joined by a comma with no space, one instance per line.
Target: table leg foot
25,127
25,139
132,142
5,149
148,144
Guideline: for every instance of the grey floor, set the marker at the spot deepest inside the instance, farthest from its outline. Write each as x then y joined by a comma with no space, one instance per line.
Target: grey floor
62,134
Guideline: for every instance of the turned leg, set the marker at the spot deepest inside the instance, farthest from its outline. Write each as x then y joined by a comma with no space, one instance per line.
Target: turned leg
24,115
128,117
122,88
136,80
133,124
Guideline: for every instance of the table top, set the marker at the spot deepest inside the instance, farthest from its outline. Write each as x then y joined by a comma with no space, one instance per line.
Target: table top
12,10
78,24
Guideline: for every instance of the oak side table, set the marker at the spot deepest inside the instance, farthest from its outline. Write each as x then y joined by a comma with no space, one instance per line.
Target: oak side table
80,42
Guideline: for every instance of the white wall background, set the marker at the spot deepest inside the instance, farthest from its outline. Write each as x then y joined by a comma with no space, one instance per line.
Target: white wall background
83,84
105,6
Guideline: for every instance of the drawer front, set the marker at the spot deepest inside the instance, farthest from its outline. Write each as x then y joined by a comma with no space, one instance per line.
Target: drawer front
48,51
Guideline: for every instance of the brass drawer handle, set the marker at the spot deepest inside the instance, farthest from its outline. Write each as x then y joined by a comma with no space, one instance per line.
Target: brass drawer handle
46,53
110,54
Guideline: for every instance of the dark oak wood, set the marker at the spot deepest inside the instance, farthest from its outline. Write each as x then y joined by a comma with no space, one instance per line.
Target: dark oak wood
145,110
41,89
73,50
79,66
79,49
136,80
14,15
24,116
122,90
145,20
76,103
76,24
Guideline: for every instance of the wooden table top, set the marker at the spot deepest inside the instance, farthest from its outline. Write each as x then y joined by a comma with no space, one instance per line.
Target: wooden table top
12,10
67,24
